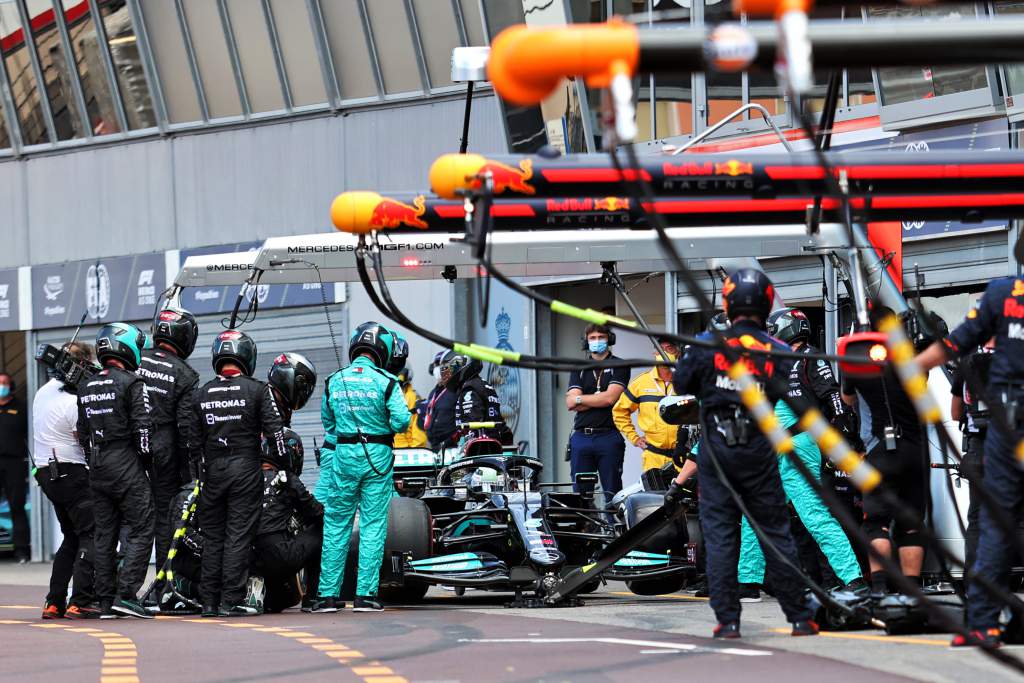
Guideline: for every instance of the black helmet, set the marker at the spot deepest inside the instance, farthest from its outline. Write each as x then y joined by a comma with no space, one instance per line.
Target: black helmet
719,321
374,339
177,327
789,325
237,347
748,291
399,357
404,376
460,368
294,377
120,341
294,455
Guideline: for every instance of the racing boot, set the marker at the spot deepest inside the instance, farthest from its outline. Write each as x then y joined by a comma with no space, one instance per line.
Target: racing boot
107,612
857,586
805,628
130,608
326,605
749,592
82,612
52,611
210,611
990,637
730,630
241,611
367,603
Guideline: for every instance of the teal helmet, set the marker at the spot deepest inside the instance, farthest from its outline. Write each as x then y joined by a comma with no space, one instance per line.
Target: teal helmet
120,341
374,339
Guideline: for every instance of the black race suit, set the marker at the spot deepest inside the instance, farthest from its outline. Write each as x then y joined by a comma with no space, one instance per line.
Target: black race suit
172,384
115,428
231,413
283,551
477,401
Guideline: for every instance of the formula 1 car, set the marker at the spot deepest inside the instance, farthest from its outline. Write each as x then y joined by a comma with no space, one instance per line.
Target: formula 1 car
487,522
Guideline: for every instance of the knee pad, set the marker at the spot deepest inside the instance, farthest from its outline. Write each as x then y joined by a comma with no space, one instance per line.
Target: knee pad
875,529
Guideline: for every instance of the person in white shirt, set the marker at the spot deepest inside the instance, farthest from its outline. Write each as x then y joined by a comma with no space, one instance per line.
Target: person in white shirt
61,472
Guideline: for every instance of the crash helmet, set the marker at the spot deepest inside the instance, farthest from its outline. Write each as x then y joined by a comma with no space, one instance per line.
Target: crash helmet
294,378
459,368
374,339
436,363
405,376
120,341
293,457
748,291
399,357
719,321
789,325
237,347
178,328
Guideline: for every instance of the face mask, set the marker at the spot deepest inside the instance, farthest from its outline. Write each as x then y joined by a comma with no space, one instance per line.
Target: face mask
437,374
598,345
5,391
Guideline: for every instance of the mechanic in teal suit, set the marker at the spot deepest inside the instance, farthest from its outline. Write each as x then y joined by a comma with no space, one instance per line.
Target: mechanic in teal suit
363,408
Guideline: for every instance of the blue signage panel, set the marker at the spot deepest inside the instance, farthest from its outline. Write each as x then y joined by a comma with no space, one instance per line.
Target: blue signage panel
104,290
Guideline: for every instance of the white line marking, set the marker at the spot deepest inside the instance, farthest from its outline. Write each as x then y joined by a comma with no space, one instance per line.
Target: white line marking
622,641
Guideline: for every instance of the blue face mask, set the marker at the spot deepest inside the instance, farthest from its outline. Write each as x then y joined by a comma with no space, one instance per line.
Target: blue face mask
5,391
598,345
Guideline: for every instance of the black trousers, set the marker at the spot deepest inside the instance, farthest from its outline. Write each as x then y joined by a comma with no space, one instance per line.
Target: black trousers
72,503
14,486
127,502
753,471
282,554
229,509
974,471
166,478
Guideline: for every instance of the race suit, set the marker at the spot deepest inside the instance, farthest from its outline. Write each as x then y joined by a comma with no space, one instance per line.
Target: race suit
360,399
115,428
731,439
231,412
810,380
477,401
171,384
283,551
413,437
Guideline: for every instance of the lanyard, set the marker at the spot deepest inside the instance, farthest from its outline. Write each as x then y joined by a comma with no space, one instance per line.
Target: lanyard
430,408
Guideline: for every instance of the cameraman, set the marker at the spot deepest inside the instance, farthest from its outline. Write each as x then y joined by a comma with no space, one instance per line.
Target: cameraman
62,475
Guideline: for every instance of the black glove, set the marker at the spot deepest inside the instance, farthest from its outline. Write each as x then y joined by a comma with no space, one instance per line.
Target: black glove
675,494
849,426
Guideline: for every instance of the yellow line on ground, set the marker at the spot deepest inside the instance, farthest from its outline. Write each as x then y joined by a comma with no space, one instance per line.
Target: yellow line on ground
268,629
385,679
673,596
167,616
119,679
879,639
109,670
240,625
313,641
52,625
347,654
371,670
83,629
19,607
332,647
118,661
12,621
296,634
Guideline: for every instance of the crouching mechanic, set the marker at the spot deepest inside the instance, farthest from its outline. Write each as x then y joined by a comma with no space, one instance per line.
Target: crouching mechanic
362,410
232,411
114,428
642,396
733,454
290,535
812,381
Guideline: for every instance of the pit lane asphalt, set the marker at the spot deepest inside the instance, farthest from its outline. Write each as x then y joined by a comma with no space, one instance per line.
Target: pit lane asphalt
616,636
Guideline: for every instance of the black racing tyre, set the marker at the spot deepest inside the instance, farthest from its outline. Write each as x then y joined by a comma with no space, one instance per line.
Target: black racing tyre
672,538
409,530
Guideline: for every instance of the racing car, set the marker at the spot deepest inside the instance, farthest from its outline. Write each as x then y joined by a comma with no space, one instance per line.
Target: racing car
487,522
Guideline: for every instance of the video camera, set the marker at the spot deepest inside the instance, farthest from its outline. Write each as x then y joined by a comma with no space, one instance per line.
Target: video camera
66,368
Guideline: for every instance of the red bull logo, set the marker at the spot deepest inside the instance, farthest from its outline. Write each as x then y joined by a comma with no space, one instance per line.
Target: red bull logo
688,169
612,204
228,335
508,178
390,213
169,315
1018,288
734,168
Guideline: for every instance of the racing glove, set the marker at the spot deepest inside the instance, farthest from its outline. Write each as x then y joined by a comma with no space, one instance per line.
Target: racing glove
675,495
849,426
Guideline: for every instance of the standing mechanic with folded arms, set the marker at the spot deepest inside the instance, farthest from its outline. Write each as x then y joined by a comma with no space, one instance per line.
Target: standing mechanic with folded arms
595,444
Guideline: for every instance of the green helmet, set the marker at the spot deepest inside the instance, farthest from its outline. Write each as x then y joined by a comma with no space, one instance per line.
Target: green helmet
120,341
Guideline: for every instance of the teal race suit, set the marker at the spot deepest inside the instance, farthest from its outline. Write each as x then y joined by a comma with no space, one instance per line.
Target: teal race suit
360,398
815,516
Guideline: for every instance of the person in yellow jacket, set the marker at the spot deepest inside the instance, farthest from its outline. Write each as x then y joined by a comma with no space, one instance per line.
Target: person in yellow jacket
414,437
656,438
